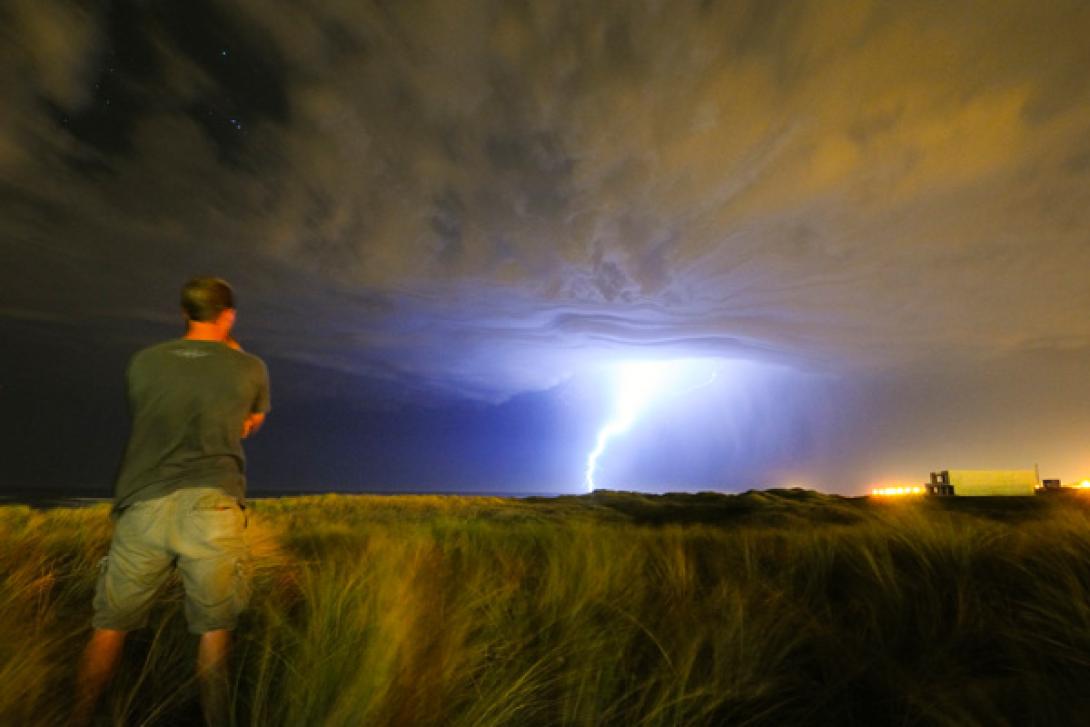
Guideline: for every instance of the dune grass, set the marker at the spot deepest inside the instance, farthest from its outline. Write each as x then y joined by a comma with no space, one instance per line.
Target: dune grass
770,608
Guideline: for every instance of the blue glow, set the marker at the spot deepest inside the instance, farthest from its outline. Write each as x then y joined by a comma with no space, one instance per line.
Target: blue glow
639,385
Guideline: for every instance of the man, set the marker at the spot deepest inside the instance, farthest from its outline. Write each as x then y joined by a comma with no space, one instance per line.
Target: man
179,496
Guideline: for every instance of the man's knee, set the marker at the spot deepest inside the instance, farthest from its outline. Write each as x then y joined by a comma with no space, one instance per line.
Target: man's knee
212,652
105,641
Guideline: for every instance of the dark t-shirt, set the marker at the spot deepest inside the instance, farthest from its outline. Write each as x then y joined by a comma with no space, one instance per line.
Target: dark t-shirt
189,400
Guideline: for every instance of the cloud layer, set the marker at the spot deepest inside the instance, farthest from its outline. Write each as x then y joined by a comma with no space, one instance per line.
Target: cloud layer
484,198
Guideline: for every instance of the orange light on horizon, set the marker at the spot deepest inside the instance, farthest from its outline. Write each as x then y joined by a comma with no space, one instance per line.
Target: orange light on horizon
897,491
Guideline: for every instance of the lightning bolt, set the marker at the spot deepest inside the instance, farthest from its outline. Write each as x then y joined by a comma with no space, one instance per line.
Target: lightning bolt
638,385
618,425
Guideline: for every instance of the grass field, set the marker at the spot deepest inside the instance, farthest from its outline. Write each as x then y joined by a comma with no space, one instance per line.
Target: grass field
769,608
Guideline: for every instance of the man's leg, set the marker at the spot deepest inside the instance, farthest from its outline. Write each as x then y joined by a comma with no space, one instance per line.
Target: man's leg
96,669
211,557
213,676
127,581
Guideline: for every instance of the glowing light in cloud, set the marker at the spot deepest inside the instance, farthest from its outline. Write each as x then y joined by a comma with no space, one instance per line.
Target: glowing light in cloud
639,385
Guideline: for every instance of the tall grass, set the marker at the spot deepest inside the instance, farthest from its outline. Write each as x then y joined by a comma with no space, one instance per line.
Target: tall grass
763,609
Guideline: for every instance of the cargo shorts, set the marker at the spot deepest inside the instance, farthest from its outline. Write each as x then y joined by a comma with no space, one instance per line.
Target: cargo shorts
200,531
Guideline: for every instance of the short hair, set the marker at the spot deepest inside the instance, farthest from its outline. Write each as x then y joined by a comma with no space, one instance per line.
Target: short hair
204,298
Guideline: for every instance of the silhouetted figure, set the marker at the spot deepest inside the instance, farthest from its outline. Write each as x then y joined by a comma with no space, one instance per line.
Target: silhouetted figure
179,498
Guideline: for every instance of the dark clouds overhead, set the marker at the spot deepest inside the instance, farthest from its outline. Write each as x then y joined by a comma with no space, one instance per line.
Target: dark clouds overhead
483,198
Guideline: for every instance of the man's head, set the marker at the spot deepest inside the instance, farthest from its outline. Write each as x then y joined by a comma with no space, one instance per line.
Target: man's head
209,305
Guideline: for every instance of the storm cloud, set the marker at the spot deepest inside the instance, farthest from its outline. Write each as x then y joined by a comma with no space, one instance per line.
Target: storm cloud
480,200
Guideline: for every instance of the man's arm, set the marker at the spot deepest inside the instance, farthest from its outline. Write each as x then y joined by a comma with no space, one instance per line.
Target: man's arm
252,423
260,404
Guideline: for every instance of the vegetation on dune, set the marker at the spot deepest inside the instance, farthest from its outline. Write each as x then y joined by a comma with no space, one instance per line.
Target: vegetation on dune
768,608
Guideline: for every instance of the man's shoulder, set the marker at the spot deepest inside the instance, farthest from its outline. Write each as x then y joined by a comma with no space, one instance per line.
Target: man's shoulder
246,355
254,364
154,350
249,359
245,362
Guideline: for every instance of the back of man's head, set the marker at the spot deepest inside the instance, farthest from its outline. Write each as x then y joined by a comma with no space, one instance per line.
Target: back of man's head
204,298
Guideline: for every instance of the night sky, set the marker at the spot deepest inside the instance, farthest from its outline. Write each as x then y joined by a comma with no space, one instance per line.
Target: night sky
449,223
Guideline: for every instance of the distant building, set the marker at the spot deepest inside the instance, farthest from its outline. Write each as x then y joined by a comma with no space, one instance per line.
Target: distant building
969,483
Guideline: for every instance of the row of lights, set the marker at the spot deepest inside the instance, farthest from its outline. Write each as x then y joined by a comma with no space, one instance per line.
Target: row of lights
1084,485
894,491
